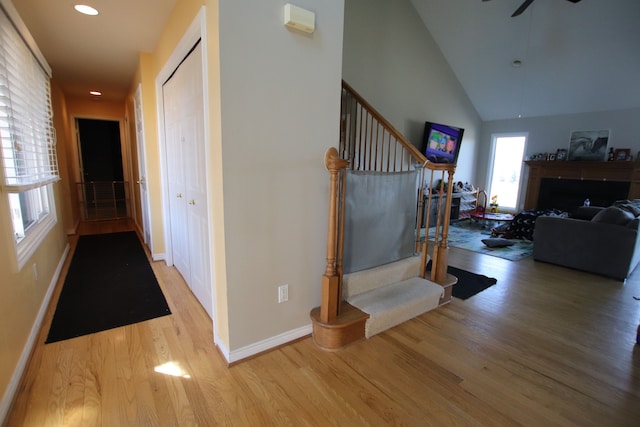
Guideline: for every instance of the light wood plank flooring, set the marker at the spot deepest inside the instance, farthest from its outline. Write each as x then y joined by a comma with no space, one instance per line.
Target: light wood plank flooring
546,346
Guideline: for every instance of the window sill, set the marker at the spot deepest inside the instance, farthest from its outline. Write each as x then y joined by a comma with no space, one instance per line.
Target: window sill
27,246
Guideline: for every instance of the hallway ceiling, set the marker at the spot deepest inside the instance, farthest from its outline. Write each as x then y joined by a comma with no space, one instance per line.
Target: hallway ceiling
95,52
576,58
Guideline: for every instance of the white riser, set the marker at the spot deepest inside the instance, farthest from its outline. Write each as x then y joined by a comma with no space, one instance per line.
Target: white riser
372,278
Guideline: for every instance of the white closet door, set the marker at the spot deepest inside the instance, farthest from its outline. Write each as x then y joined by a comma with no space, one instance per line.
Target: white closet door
196,179
175,178
184,127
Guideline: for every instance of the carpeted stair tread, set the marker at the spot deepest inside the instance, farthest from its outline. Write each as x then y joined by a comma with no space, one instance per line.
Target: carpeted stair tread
397,302
372,278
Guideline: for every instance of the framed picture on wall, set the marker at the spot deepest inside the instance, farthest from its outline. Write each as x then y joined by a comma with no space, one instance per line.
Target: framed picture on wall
589,145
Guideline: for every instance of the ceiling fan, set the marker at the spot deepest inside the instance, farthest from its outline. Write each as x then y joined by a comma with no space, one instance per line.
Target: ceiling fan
526,4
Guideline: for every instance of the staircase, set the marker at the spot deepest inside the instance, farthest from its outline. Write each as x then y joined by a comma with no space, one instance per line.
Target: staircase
364,303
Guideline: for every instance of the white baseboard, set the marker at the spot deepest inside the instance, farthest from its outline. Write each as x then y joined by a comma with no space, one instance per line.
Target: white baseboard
158,257
267,344
12,387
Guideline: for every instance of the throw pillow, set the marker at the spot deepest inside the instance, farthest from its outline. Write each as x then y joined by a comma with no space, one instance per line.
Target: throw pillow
524,223
613,215
497,242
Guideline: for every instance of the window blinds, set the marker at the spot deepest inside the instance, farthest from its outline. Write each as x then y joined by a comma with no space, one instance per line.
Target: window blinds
27,136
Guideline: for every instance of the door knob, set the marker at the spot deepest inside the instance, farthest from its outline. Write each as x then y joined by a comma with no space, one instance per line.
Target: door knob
192,202
179,195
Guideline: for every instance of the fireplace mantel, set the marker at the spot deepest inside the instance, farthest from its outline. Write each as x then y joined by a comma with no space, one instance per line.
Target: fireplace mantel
621,171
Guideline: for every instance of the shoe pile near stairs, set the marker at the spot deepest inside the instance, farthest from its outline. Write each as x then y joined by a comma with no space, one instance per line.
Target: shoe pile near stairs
391,294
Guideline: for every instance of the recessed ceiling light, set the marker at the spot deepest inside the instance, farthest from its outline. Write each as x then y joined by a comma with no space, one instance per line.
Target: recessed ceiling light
87,10
95,93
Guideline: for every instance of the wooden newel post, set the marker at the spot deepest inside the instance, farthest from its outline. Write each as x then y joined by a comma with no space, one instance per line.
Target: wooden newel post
331,280
441,248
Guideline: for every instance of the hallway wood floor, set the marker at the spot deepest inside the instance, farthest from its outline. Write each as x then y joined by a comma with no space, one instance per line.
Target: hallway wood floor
546,346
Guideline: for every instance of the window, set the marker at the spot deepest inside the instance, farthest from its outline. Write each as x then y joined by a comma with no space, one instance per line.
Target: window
27,137
506,167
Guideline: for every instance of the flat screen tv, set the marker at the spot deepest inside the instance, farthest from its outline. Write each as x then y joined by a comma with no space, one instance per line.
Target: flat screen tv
441,143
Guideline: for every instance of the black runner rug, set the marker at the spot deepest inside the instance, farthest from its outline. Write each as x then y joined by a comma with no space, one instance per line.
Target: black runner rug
469,283
110,283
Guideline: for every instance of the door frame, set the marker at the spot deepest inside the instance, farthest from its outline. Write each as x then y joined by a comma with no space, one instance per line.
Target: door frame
141,147
124,145
524,171
127,169
195,32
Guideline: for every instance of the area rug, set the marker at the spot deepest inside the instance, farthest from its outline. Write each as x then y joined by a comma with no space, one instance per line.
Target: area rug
469,283
110,283
468,235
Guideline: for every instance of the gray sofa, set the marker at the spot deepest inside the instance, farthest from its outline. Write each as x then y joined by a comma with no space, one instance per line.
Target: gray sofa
595,239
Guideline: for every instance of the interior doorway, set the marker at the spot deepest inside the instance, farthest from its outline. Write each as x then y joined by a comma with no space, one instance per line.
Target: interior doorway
102,190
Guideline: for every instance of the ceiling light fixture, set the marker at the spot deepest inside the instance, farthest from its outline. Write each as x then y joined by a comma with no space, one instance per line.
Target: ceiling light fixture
516,63
86,10
95,93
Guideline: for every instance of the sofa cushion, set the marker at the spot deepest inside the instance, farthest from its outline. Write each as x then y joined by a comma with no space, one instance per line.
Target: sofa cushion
613,215
497,242
632,206
586,212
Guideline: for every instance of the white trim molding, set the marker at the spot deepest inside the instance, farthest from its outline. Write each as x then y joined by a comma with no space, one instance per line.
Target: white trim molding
264,345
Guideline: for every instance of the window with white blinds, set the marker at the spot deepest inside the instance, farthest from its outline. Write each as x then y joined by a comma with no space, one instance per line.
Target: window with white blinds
27,137
26,129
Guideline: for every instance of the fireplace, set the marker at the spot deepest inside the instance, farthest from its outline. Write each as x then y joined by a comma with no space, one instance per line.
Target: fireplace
568,194
565,185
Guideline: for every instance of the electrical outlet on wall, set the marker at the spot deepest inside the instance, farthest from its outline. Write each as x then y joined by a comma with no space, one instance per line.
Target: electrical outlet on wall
283,293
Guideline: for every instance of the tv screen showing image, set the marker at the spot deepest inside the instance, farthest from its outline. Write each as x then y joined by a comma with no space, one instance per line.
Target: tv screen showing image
441,142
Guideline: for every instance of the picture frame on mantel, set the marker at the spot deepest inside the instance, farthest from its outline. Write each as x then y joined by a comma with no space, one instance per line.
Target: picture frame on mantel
589,145
622,154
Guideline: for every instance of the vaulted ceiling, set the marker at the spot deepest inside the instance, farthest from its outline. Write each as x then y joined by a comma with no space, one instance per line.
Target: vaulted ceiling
575,58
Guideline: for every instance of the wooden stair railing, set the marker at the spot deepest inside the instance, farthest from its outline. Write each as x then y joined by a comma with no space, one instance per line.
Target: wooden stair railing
368,142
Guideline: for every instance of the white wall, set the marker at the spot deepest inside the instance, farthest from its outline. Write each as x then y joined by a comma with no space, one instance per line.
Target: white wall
547,134
391,59
280,102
